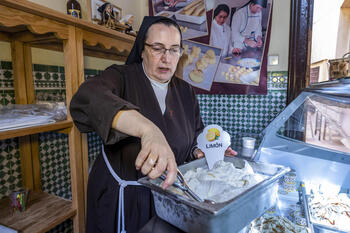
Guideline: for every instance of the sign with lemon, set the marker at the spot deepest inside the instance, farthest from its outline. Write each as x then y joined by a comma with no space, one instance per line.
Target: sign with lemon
213,141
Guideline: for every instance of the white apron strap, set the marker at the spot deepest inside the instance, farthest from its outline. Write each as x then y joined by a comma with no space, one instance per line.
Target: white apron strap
122,184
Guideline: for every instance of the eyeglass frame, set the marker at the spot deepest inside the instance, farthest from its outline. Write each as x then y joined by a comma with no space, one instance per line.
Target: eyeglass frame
164,50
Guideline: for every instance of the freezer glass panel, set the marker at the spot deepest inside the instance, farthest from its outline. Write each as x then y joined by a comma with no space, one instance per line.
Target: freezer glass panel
320,121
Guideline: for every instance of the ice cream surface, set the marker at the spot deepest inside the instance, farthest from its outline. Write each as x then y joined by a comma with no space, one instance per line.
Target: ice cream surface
268,224
223,182
333,211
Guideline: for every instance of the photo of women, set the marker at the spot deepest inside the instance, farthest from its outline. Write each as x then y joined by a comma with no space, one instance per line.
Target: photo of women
246,26
221,33
239,28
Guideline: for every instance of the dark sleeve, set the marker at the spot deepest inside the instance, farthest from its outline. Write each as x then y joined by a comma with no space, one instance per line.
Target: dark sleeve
97,101
198,126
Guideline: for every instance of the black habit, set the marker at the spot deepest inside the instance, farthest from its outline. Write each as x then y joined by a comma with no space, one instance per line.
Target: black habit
93,107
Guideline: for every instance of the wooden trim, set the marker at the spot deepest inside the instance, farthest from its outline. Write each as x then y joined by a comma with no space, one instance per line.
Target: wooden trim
84,141
35,129
29,81
74,139
60,18
91,39
36,162
299,47
5,37
91,52
26,36
49,46
36,24
18,72
25,153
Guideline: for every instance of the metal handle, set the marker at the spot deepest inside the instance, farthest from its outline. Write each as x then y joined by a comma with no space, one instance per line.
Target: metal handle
183,186
346,55
306,206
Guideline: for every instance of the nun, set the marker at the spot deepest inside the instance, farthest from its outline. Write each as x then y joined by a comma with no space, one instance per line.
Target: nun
246,26
148,121
220,35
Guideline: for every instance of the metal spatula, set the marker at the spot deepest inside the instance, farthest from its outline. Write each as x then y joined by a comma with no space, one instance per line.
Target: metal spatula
182,185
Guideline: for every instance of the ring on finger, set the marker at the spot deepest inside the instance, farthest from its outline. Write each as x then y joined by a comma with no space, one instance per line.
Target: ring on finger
151,160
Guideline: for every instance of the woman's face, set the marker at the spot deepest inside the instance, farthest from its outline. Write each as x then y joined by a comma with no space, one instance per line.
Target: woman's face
221,17
158,65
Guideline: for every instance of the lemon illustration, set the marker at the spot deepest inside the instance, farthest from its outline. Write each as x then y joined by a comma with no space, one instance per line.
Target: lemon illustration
210,136
215,130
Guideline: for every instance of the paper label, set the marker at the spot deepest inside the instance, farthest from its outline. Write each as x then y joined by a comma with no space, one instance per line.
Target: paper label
213,141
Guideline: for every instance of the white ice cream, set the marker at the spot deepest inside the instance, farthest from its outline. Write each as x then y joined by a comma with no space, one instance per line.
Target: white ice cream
268,224
223,182
333,211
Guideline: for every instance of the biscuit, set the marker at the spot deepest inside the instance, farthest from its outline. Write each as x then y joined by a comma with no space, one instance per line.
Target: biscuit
201,64
165,14
184,61
210,53
196,76
198,10
210,57
185,46
183,29
195,51
209,60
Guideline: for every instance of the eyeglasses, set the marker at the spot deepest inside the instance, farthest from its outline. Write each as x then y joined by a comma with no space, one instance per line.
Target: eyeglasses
159,50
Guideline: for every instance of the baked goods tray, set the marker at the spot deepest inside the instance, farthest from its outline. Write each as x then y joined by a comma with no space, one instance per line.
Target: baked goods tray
314,226
229,216
190,18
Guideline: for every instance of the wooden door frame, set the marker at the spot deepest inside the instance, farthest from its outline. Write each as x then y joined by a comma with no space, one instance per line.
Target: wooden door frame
300,37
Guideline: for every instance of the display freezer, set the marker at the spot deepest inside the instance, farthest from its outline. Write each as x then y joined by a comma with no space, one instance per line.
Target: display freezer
312,137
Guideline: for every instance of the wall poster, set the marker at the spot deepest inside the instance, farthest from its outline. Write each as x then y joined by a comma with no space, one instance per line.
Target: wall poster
225,43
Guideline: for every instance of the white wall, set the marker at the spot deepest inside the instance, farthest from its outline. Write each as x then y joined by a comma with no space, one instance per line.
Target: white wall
325,29
343,40
279,40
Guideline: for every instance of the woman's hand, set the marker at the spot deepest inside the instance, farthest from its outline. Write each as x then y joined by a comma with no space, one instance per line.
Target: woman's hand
237,51
230,152
250,43
156,155
198,153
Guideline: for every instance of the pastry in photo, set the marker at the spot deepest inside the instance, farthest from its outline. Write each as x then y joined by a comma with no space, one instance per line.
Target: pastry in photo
209,57
196,76
195,51
201,64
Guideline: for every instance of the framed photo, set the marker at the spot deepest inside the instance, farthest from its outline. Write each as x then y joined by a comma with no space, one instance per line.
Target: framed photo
240,64
189,14
96,15
198,64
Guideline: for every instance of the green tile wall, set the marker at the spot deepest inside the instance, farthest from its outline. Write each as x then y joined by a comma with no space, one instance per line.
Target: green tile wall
237,114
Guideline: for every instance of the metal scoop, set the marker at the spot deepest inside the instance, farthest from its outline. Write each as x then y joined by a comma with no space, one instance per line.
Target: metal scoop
183,186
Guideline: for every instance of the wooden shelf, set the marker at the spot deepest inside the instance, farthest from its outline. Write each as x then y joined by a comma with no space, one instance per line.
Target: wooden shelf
67,124
44,211
25,25
45,28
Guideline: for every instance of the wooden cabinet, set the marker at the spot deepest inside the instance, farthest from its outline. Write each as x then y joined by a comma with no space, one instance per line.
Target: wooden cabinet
25,24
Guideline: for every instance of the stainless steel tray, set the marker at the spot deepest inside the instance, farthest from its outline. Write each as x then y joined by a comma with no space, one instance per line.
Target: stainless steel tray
230,216
316,227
